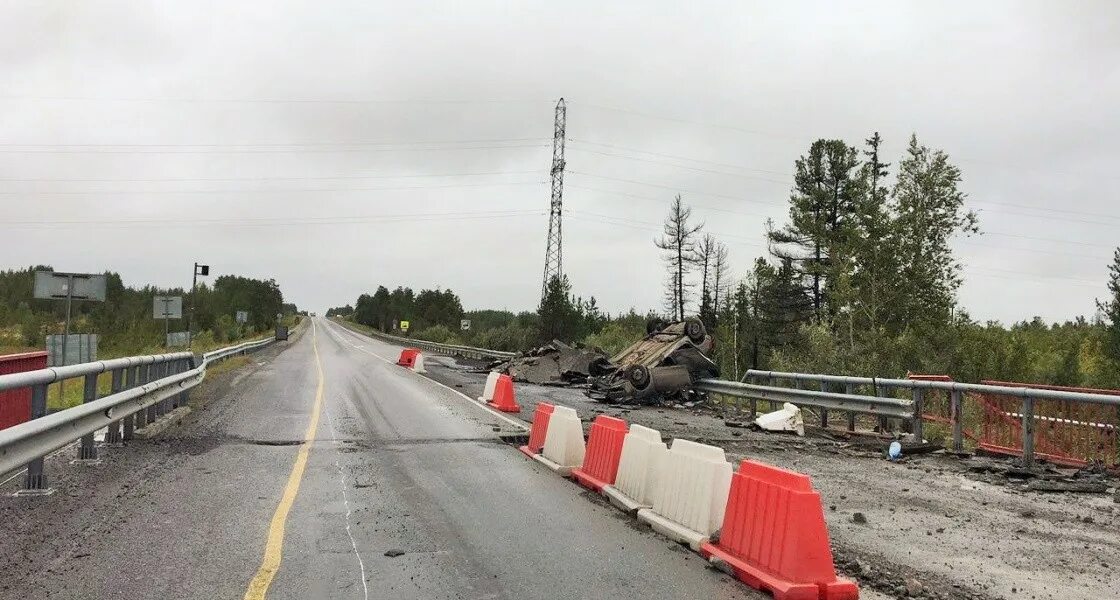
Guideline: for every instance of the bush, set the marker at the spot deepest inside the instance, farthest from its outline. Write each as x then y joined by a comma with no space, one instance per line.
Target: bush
616,336
439,334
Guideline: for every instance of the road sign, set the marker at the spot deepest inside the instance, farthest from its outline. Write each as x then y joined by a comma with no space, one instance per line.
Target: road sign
177,338
404,325
242,316
465,324
74,286
75,349
167,307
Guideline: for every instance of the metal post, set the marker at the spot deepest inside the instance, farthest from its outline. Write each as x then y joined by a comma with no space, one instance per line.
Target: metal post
884,423
88,450
957,410
190,319
66,332
916,421
824,411
1028,431
184,366
849,389
131,374
36,480
113,434
149,375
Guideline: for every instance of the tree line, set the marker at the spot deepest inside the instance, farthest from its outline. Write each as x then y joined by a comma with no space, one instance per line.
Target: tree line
124,321
859,279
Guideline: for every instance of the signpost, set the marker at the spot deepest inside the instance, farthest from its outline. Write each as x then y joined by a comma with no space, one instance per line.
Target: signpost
167,308
242,316
203,270
53,285
404,326
465,324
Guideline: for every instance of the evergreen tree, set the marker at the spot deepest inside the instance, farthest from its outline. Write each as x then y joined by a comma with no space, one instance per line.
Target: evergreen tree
822,207
1111,311
559,315
929,211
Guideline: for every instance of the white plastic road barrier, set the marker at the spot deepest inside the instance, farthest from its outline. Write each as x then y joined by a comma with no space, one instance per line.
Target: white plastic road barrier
787,419
563,442
491,385
643,457
418,364
691,493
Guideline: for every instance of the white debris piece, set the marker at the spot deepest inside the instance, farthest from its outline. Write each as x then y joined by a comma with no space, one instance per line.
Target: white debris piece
786,419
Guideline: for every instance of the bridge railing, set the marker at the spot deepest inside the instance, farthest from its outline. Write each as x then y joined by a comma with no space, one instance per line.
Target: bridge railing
142,389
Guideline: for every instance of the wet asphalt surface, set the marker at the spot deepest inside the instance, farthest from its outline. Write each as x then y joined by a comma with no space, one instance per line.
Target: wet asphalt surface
408,493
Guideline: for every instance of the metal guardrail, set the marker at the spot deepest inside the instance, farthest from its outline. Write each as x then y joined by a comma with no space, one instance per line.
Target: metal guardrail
853,403
449,349
143,388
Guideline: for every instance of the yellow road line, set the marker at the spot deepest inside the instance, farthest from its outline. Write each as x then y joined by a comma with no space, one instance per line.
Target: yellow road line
274,549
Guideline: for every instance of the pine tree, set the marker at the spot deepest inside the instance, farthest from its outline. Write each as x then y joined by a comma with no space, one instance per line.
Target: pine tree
705,259
822,205
929,209
679,244
1111,310
559,314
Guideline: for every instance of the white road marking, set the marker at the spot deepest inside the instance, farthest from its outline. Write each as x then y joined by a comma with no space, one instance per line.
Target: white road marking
471,401
346,502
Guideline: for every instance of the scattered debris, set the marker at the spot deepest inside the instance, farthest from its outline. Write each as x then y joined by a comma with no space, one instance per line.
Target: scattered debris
894,451
662,365
394,553
1053,485
555,363
788,418
859,518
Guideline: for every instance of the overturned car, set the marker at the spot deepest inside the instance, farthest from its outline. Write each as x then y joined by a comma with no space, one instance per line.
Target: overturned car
662,365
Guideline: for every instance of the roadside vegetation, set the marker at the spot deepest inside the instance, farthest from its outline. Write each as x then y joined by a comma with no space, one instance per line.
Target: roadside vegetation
861,279
125,324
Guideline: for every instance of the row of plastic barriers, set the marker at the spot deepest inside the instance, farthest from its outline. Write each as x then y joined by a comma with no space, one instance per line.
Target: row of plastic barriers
763,524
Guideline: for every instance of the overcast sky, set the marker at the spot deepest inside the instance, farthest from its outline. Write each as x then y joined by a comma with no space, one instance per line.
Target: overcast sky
336,146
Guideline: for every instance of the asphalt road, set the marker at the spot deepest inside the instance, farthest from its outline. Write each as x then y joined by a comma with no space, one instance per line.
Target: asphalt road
328,472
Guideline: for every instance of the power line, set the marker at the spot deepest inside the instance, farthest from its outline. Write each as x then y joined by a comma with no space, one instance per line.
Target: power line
305,178
275,221
274,144
659,162
253,150
673,188
662,200
406,101
678,157
268,191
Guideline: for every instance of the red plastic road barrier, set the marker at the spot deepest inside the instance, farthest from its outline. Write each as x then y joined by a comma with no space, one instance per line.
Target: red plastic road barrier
538,429
15,405
604,449
774,537
503,395
408,357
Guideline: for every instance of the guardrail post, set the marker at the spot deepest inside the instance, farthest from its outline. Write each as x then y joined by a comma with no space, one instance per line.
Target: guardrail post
824,411
36,481
849,389
149,373
87,451
113,433
916,421
131,374
1028,431
884,423
956,412
183,398
754,401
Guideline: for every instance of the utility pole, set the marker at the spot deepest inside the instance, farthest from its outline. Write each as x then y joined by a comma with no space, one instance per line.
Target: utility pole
553,254
203,270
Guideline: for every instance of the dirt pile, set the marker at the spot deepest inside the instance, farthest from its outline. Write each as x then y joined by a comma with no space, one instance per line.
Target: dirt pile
555,363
